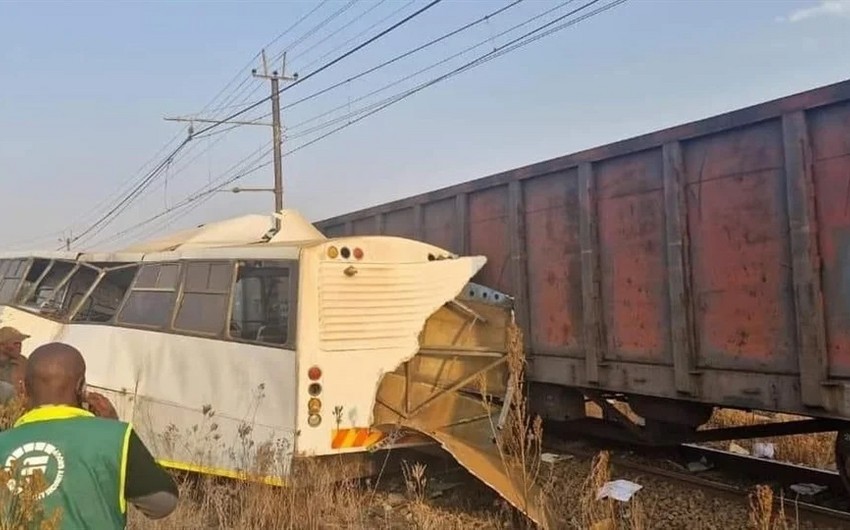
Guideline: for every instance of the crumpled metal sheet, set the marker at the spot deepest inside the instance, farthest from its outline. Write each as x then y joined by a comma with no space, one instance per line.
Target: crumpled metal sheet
465,427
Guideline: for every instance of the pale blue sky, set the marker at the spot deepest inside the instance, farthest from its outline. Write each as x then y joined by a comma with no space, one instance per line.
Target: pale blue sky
84,87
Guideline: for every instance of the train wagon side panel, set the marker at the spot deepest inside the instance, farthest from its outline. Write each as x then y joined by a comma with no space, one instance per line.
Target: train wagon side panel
709,261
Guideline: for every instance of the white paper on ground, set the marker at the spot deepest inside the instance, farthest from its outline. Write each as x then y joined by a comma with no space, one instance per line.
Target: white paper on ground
764,450
808,488
619,490
552,458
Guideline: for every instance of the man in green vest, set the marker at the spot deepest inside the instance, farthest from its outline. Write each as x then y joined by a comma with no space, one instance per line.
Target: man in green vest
91,463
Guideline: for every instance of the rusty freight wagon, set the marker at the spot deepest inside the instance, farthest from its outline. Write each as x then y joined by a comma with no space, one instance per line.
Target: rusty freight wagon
699,266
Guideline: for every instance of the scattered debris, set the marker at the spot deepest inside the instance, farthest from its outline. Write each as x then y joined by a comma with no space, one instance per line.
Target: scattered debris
737,449
701,465
808,488
439,488
552,458
764,450
619,490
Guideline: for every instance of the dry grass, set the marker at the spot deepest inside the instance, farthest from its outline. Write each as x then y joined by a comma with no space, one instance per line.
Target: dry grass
815,450
316,498
20,508
763,512
520,442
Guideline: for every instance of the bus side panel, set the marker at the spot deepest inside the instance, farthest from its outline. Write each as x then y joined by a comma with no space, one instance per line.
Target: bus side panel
191,397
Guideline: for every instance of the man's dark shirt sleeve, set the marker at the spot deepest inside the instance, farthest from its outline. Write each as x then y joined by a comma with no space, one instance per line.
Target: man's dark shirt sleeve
146,481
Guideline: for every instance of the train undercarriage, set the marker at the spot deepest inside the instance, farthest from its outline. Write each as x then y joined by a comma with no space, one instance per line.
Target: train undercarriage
662,422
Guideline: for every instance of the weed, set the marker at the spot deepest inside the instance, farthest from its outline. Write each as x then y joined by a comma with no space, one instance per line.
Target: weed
762,515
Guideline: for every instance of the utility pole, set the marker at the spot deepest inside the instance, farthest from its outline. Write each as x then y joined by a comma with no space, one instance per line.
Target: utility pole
277,131
277,137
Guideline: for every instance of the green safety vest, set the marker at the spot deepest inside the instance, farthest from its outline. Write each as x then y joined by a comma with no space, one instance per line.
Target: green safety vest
83,459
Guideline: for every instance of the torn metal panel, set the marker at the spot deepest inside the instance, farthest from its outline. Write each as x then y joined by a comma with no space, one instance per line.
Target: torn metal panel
465,426
452,392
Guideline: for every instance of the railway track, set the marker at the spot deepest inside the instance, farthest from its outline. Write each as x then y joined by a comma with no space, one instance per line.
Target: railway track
730,475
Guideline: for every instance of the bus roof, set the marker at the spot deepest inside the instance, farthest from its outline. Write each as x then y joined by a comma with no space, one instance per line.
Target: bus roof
249,236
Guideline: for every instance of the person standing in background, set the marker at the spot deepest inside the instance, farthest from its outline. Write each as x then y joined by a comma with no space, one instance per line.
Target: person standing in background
12,363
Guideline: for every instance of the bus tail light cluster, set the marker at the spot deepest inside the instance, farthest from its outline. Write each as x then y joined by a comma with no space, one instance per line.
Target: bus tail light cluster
314,404
345,253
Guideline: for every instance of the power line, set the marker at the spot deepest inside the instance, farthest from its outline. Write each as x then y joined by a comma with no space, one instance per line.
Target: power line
326,65
355,37
170,158
309,33
195,199
404,55
497,52
118,208
410,76
339,30
227,105
411,52
519,42
150,177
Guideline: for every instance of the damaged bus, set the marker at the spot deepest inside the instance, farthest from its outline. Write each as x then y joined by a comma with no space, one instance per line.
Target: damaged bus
241,347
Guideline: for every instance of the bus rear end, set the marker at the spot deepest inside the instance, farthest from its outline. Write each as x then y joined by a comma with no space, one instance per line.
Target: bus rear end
396,347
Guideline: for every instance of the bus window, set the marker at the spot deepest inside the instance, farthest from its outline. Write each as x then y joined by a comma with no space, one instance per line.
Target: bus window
43,291
152,297
103,302
66,297
38,269
206,290
11,272
261,304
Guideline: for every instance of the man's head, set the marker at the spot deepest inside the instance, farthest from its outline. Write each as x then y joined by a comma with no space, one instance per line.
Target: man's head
10,342
55,375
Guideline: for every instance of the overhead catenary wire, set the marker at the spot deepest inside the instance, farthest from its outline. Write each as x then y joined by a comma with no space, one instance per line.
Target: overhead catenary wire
124,191
324,67
497,52
514,44
466,50
237,168
314,31
349,23
357,36
227,104
403,55
408,54
192,202
121,206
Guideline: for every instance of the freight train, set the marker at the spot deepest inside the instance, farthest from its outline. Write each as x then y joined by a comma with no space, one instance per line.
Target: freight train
705,265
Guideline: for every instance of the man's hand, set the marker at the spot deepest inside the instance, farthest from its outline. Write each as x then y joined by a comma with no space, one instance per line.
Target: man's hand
100,406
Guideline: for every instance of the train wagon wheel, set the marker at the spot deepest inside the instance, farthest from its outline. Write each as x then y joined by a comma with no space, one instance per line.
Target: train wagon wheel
842,457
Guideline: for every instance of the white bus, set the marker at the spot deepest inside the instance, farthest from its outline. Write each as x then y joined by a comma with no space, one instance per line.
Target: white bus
235,347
